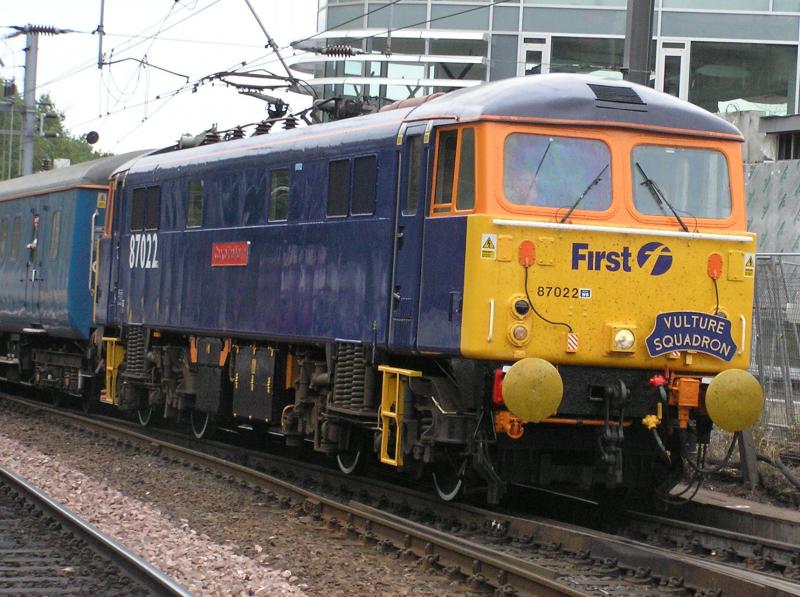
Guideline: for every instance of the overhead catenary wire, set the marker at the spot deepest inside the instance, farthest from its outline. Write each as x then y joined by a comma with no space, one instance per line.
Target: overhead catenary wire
260,60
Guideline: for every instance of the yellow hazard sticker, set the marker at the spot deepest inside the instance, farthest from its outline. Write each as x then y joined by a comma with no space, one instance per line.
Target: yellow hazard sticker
488,246
749,265
102,198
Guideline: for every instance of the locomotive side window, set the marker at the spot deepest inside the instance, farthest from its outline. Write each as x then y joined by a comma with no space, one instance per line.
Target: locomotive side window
146,208
137,209
152,210
55,234
445,169
3,237
365,176
694,181
556,172
455,171
194,211
279,195
466,171
338,187
15,232
413,181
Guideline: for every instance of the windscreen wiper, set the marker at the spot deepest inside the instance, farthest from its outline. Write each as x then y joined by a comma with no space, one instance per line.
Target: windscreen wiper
659,197
597,179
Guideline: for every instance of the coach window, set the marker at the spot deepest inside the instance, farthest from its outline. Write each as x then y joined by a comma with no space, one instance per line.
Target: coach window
365,177
455,171
15,232
3,237
55,233
137,209
152,212
338,187
194,212
279,195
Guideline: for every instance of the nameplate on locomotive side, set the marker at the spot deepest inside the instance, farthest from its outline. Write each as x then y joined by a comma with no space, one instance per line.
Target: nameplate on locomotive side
230,254
691,330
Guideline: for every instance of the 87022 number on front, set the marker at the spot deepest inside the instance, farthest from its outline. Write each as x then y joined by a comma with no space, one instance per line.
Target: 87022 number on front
565,292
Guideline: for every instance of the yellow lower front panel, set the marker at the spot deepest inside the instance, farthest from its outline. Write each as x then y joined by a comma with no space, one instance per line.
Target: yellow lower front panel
604,296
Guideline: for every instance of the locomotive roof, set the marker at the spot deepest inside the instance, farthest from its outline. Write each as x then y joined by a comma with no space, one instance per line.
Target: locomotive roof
577,99
557,98
95,172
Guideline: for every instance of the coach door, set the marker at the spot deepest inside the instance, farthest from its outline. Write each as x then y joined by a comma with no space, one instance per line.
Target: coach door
33,269
412,174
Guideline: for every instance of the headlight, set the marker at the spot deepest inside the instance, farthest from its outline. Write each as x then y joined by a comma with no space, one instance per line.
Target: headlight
520,333
624,339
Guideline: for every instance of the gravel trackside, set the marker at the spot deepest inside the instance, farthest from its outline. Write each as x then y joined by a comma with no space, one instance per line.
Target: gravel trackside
202,566
213,536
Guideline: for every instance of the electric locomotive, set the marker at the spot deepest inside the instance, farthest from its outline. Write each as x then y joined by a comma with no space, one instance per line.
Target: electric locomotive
542,280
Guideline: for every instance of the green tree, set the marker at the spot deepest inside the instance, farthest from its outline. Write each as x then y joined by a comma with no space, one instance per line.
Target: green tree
59,142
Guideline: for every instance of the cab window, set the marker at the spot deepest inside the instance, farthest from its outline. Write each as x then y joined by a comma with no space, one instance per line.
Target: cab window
455,171
695,182
556,172
146,208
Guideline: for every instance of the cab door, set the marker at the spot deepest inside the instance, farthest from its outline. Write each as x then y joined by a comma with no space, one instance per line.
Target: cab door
408,233
107,258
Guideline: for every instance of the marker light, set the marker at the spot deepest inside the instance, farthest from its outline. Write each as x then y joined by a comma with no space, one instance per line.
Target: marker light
624,339
520,333
521,307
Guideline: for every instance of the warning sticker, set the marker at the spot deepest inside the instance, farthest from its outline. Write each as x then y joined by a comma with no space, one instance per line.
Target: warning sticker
488,246
749,265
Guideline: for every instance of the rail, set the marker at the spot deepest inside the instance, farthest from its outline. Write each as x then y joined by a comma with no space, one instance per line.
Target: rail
511,563
136,568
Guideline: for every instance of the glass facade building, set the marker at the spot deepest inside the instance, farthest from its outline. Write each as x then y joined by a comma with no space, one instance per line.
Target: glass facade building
723,55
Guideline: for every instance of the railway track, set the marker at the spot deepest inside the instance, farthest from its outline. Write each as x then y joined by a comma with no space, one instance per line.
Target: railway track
510,553
47,550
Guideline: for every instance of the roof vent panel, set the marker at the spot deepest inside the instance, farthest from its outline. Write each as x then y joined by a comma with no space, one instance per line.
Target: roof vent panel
616,94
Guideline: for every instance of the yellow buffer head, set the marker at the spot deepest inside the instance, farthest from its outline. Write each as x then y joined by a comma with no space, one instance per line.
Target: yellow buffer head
532,389
734,400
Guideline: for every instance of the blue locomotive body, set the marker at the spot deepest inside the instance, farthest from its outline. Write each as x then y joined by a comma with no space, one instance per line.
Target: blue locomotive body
310,275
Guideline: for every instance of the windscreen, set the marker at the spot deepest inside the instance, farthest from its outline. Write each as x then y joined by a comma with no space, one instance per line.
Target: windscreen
544,171
694,181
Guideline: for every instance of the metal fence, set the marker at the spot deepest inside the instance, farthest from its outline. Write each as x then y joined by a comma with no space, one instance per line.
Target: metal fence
776,341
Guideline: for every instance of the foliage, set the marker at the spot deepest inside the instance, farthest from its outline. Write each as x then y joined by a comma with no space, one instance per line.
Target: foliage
46,149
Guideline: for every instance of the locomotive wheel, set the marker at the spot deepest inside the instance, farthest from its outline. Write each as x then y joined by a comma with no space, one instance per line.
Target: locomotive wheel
87,403
145,414
350,461
56,399
448,485
202,423
448,476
